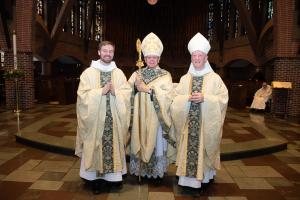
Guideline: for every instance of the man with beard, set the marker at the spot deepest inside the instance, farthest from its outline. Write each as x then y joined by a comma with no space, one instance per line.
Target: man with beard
103,114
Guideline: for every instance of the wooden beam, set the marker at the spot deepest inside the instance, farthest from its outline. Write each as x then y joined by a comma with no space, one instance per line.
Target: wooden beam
59,24
247,22
261,42
61,19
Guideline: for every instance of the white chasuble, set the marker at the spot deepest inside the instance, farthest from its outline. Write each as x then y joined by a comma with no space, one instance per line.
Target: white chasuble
103,121
261,97
150,133
199,127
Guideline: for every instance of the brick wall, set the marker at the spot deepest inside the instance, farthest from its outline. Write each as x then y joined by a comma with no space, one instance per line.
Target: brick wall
287,69
27,87
286,62
25,21
9,84
24,30
284,19
26,84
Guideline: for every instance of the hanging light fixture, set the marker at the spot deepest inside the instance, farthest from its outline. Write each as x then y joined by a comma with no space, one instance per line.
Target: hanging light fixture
152,2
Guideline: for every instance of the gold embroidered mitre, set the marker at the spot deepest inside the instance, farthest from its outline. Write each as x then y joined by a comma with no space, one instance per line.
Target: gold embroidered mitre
151,45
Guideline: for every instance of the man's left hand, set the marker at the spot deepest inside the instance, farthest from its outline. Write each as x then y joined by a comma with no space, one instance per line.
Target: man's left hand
142,87
196,97
112,89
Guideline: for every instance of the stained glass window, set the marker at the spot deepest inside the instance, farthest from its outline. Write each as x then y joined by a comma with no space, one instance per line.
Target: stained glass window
81,18
40,7
99,20
73,21
247,2
210,21
270,9
227,26
236,23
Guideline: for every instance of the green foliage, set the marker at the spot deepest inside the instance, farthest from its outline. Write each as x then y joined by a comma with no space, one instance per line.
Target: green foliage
15,73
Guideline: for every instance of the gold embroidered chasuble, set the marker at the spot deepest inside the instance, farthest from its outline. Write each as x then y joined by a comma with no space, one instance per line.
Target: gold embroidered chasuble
152,111
95,137
211,119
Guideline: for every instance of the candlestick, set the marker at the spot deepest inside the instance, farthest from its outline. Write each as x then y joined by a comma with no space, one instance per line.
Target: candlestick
17,96
15,50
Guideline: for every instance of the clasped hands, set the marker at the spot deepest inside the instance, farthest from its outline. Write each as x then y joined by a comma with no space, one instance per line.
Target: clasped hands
140,85
108,87
196,97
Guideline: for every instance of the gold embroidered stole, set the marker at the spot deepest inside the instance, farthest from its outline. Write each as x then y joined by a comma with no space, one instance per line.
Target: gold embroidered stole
194,129
107,138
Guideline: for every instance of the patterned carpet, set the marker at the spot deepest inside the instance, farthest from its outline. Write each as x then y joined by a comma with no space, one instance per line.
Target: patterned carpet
30,173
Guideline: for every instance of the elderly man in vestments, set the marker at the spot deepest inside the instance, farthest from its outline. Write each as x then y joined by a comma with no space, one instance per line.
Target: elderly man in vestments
103,114
261,97
151,119
198,112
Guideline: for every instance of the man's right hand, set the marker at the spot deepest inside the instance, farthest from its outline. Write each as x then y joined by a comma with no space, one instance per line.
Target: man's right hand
138,80
106,89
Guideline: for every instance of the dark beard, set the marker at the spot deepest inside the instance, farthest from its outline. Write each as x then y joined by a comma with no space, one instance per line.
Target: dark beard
106,62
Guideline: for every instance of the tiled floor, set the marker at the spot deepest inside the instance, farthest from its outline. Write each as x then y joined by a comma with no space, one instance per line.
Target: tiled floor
29,173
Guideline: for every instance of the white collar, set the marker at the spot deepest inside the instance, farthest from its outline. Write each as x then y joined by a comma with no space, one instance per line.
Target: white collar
206,69
98,64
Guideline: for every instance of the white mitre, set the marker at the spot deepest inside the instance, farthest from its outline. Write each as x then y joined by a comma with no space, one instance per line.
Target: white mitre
199,42
151,45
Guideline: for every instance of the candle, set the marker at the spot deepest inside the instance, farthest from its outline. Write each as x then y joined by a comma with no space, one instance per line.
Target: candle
15,50
2,56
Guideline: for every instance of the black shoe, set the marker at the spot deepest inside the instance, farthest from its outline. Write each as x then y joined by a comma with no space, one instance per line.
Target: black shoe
117,185
140,181
87,182
97,186
204,187
158,180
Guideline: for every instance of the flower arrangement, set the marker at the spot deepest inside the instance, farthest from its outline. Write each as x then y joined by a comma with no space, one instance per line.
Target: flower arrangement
11,74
